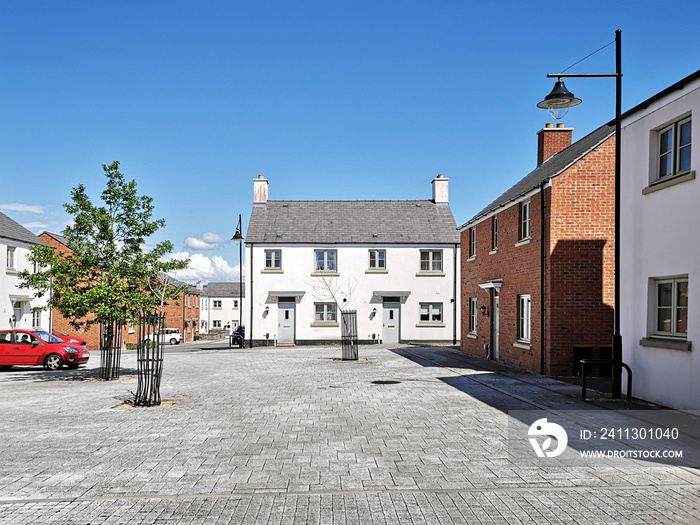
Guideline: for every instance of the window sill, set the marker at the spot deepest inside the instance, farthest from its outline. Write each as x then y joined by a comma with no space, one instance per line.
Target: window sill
523,242
11,271
271,271
671,344
471,335
430,274
430,325
471,258
667,182
494,251
376,271
523,345
325,274
324,325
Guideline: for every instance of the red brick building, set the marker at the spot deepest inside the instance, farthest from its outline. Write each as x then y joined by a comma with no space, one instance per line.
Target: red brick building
182,313
537,264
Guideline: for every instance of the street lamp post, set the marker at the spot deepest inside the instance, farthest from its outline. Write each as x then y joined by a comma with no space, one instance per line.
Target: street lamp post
558,103
238,239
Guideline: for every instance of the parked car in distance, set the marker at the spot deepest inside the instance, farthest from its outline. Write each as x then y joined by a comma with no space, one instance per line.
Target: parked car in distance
166,335
70,338
39,348
237,338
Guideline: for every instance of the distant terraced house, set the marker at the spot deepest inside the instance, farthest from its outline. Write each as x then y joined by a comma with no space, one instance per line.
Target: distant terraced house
393,262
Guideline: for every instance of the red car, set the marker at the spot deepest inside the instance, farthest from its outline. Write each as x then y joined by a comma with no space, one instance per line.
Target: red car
70,338
36,347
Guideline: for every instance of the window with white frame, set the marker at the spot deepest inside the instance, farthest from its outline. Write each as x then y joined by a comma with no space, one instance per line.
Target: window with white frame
472,242
216,323
377,259
11,258
674,148
431,312
472,315
216,304
273,259
524,304
524,220
431,261
326,261
235,303
325,312
671,307
36,318
494,232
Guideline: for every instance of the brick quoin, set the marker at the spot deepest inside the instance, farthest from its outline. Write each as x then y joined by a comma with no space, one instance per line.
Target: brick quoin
579,221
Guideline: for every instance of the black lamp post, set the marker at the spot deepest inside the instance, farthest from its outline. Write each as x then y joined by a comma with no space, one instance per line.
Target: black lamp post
238,239
558,103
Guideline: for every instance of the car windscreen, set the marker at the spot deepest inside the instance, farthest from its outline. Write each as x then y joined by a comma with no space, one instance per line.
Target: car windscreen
47,337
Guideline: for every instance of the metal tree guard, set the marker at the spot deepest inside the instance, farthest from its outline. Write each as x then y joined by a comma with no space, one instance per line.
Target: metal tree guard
349,335
110,348
150,349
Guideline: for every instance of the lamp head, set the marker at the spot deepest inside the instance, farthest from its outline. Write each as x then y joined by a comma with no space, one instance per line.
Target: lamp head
559,100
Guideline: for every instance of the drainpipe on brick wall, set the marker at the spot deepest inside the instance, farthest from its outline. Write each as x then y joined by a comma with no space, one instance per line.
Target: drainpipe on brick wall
543,274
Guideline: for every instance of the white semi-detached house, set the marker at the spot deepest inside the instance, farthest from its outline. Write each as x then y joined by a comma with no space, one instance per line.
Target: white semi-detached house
19,307
219,305
396,263
660,246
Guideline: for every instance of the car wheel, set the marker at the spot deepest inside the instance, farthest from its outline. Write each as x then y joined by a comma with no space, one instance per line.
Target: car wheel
173,341
53,362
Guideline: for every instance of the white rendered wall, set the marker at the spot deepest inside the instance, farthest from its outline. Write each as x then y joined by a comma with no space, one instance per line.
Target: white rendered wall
354,288
9,285
660,237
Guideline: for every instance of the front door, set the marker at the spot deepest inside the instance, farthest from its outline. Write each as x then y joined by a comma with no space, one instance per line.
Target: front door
390,326
285,326
496,320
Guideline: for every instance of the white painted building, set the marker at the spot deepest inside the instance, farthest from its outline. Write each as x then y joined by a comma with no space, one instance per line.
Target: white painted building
394,262
19,307
660,246
220,308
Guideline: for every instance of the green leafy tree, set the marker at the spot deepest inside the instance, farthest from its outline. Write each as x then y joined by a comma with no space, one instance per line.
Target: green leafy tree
106,274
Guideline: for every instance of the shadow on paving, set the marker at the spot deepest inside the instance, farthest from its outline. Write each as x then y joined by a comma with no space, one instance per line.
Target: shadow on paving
35,373
527,398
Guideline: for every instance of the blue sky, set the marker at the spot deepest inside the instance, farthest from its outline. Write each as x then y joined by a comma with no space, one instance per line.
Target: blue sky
328,99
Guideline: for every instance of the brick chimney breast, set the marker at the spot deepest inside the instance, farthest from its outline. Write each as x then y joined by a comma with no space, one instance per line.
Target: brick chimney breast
551,140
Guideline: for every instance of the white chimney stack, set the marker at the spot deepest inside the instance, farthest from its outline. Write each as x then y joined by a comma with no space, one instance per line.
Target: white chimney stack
440,189
260,190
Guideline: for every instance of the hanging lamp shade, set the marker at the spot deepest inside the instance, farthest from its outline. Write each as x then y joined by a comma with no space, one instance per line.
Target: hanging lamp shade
559,100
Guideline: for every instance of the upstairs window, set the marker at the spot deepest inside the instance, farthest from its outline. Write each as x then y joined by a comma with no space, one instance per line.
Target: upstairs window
216,304
674,148
525,220
472,242
494,233
326,261
431,261
11,258
273,259
377,259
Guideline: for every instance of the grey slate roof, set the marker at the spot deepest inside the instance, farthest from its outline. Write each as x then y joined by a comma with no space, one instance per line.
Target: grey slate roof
222,290
352,222
548,169
10,229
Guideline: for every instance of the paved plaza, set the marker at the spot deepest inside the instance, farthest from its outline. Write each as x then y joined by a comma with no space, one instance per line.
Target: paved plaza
295,436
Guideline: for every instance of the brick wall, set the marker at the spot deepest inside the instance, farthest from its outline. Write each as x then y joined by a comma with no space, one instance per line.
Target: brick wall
579,219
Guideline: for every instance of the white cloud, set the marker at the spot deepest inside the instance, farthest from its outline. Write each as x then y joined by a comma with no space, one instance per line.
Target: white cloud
23,208
36,225
206,241
203,268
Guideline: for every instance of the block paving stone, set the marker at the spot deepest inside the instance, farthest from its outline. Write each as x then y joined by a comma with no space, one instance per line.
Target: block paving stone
297,436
